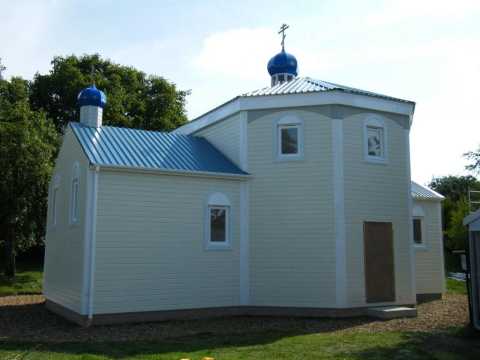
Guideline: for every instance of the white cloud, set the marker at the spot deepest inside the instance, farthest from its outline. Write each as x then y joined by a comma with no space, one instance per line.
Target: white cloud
237,53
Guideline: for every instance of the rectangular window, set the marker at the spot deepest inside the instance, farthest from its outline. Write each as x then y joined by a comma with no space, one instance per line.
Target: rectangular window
376,142
54,206
417,232
218,224
289,140
74,201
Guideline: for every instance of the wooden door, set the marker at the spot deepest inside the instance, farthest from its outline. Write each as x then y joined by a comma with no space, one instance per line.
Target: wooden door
379,262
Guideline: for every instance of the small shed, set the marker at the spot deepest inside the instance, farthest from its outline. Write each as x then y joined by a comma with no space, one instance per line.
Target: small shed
473,266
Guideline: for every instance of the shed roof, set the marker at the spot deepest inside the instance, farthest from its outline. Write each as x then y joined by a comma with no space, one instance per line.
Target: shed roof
151,150
301,85
421,192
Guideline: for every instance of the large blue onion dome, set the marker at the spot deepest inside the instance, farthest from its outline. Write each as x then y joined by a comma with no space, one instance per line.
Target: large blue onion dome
282,63
92,96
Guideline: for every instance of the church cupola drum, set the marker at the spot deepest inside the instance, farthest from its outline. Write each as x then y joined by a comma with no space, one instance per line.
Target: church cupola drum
283,66
91,102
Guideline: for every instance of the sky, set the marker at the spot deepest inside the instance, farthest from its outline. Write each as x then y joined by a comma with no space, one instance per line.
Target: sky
427,51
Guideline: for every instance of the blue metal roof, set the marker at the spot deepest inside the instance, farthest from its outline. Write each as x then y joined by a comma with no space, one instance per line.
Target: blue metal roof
132,148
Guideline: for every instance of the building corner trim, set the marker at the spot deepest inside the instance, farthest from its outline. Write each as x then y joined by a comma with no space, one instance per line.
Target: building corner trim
244,215
339,214
90,236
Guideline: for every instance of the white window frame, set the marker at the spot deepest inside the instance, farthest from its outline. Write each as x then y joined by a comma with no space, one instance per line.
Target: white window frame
218,201
54,200
288,121
74,195
419,214
377,122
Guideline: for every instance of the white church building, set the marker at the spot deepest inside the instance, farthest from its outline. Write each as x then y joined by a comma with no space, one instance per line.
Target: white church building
293,199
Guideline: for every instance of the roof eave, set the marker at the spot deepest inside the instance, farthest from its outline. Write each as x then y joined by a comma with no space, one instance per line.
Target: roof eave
209,174
301,99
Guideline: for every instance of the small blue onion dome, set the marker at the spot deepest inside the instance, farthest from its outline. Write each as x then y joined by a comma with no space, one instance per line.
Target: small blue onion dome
282,63
92,96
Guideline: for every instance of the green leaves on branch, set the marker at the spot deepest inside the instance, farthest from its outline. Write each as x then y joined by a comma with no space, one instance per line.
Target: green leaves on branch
133,98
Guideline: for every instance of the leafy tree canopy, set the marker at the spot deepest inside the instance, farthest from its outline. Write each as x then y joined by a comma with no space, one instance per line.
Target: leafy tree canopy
455,207
27,145
133,98
454,187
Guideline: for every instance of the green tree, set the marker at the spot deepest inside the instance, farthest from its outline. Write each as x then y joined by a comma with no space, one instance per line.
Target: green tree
474,156
456,232
455,207
133,98
27,146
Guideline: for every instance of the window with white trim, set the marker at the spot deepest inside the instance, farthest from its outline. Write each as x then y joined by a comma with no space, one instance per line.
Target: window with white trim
375,139
289,138
417,231
54,203
218,222
418,224
74,190
375,142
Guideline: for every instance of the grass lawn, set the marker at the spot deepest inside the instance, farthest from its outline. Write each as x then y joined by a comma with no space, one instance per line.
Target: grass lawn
264,346
27,281
456,287
263,340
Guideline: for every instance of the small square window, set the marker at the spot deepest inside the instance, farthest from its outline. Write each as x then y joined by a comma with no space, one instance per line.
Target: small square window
375,142
289,140
281,78
417,232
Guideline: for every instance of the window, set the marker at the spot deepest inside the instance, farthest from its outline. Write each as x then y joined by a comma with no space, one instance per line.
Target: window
54,200
417,231
217,234
218,224
418,226
375,139
54,205
74,200
289,138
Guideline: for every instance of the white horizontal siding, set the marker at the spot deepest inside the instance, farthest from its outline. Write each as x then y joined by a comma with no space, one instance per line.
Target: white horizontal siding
430,274
150,252
225,136
63,275
376,192
292,248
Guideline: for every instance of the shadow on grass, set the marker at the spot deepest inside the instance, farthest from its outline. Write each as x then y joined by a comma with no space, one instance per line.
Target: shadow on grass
32,330
28,280
270,345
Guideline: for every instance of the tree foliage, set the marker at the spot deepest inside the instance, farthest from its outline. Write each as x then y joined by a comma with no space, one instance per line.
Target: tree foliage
473,156
34,113
27,145
455,207
133,99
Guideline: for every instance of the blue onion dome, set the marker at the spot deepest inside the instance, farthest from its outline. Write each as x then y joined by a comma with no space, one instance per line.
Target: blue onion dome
282,63
92,96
